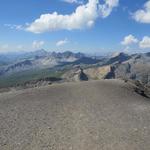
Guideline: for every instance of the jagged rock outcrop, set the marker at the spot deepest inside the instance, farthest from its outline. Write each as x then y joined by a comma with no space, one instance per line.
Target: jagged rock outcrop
80,75
76,74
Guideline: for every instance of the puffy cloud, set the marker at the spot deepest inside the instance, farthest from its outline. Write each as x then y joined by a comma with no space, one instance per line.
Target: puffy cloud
106,9
37,44
73,1
145,43
62,42
130,39
143,15
83,17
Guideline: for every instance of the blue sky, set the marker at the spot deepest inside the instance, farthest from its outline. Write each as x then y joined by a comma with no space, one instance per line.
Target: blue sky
124,25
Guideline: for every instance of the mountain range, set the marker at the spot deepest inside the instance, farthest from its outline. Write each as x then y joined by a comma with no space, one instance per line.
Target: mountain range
17,68
16,62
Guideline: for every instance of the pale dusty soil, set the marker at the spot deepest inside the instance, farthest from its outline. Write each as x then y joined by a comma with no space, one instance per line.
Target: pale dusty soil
96,115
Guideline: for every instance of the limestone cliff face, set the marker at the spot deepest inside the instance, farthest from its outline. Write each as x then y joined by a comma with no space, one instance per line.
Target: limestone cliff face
97,72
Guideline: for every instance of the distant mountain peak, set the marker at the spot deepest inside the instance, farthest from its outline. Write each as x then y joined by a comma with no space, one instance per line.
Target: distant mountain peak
119,58
116,54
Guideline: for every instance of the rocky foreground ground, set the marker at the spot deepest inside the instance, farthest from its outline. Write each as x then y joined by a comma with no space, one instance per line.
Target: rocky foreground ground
92,115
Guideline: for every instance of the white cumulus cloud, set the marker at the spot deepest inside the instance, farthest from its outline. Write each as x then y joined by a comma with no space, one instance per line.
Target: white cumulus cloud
130,39
62,42
37,44
143,15
83,17
145,42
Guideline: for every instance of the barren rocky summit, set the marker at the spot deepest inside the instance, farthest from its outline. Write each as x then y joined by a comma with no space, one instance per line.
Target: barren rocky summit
92,115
